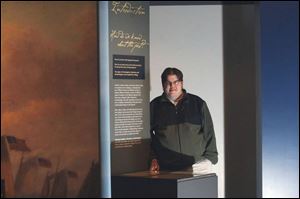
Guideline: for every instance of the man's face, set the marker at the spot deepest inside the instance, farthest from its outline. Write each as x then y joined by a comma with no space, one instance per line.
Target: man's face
173,87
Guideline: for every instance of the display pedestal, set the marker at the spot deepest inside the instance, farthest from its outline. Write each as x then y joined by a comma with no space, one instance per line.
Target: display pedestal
179,184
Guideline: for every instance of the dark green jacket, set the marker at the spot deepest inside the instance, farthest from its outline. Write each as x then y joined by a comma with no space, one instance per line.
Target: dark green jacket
183,134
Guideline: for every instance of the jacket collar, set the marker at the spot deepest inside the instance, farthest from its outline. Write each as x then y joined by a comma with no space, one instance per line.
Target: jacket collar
164,97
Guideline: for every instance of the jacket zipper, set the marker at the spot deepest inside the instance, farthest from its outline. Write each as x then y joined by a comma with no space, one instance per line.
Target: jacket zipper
179,139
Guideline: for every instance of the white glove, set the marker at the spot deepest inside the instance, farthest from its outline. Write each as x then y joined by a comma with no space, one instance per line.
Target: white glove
202,167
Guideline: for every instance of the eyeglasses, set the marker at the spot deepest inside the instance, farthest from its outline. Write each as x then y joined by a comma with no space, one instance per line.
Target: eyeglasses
175,83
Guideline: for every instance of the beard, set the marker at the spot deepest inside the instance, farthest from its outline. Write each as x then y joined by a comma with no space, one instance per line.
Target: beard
173,97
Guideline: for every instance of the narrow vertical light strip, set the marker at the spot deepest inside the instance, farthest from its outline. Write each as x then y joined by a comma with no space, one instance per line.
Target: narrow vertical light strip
104,99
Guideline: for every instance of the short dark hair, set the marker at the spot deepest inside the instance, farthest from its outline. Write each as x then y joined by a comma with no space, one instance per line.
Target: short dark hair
171,71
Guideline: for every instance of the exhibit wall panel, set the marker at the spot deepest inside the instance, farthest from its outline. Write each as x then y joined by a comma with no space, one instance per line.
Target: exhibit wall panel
190,39
242,108
49,100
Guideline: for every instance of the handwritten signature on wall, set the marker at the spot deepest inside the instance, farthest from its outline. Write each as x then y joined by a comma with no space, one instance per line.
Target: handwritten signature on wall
128,40
119,7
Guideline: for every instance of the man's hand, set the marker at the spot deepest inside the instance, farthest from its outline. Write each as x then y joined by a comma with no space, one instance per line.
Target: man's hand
154,167
202,167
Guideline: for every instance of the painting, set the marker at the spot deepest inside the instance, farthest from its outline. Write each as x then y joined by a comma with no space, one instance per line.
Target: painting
49,99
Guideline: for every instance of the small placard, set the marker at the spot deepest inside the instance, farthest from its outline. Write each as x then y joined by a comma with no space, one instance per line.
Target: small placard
128,67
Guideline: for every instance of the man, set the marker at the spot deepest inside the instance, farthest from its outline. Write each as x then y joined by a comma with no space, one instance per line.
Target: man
182,131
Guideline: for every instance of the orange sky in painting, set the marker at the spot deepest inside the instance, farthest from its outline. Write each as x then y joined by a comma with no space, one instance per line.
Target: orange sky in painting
49,85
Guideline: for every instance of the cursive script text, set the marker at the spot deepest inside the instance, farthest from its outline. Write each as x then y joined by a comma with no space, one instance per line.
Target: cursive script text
128,40
119,7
